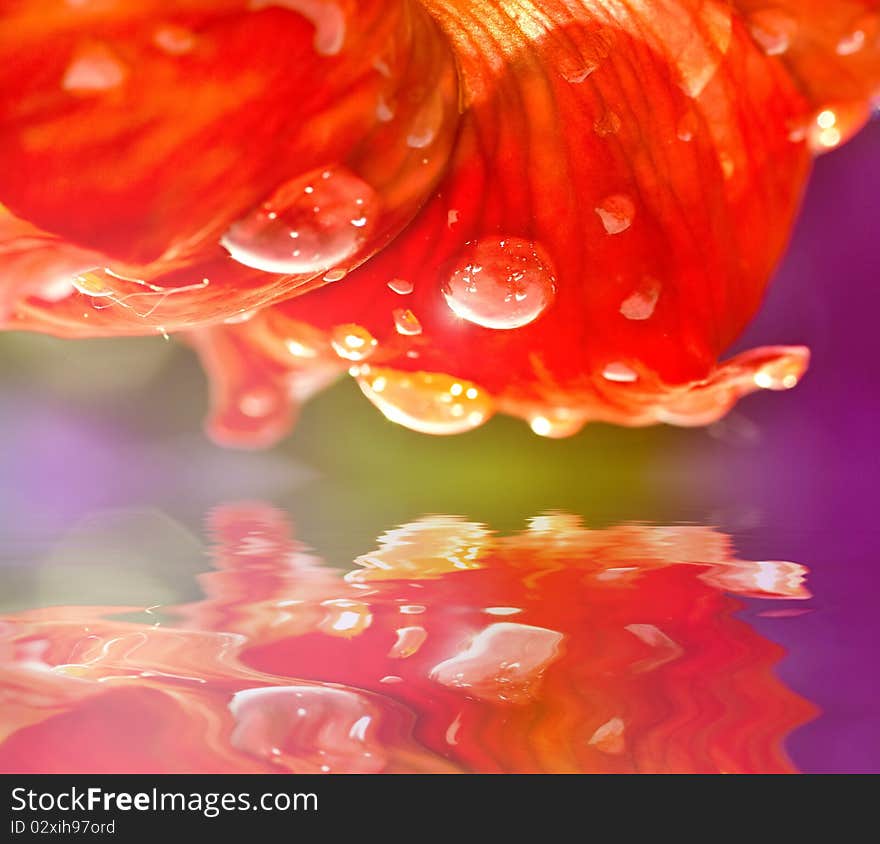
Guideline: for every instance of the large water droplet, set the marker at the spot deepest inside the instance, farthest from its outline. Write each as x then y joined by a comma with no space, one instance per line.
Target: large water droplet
309,225
616,213
501,283
307,729
429,402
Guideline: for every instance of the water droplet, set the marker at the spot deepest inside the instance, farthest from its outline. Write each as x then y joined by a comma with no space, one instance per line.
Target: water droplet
616,213
406,323
425,401
345,618
309,225
640,305
503,662
326,16
620,373
257,404
427,122
409,640
609,737
308,728
352,342
687,127
174,40
384,112
773,30
95,68
865,30
452,217
781,374
558,423
501,283
607,124
401,286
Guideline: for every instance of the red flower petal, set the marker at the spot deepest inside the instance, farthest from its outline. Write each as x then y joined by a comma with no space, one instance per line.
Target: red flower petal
622,182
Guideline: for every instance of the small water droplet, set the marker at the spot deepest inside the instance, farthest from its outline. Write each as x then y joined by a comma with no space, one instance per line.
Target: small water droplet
865,30
558,423
640,305
326,16
773,30
687,127
174,40
607,124
94,69
353,342
406,323
501,283
616,213
423,401
257,404
309,225
401,286
620,373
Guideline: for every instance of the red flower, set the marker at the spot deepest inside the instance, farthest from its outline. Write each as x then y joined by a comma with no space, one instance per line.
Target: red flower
450,648
565,211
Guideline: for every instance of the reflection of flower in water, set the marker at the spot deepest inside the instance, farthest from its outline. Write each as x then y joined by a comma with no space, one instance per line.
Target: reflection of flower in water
450,648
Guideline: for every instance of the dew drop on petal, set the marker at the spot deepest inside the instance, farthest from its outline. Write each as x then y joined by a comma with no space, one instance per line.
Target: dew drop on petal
607,124
429,402
501,283
95,68
641,303
557,423
772,30
609,737
406,322
409,640
174,40
401,286
309,225
352,342
326,16
620,373
616,213
308,728
865,30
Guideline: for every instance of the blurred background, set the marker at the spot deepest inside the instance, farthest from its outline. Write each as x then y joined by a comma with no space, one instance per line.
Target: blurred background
107,477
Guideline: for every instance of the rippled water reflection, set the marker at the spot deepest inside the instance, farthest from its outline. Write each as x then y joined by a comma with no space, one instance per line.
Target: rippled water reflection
446,647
